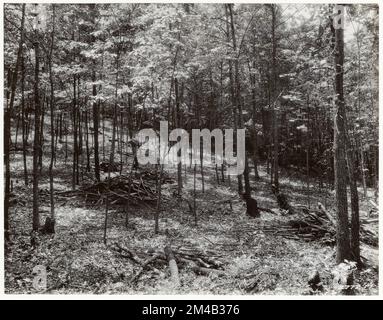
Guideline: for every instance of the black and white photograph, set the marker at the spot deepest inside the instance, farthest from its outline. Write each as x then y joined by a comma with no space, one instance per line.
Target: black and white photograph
203,149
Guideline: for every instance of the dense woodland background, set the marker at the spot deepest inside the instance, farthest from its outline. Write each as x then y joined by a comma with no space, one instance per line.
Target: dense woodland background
81,80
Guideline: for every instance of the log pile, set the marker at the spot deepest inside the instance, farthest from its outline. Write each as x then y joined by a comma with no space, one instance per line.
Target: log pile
200,263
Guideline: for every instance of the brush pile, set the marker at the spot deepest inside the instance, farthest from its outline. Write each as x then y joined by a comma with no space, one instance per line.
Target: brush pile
312,225
201,263
137,188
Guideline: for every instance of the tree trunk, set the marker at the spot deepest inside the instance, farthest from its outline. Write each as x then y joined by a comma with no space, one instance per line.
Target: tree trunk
52,108
343,232
159,189
238,102
74,113
23,121
254,129
275,102
178,124
42,112
96,120
307,155
87,141
7,127
194,194
36,143
112,151
355,222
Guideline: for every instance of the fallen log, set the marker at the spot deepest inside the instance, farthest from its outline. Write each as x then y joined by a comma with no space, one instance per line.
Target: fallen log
172,266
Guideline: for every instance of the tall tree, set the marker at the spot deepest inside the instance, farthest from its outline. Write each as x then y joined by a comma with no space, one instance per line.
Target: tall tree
275,102
343,232
96,105
7,125
51,223
37,138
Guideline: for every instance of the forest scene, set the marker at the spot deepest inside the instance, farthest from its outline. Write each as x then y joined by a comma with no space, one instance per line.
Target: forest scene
88,86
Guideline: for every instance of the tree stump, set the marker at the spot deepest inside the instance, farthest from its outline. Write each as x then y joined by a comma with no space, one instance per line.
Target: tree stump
343,278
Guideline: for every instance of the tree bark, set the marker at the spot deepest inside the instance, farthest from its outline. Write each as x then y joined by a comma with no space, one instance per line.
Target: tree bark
37,142
343,232
238,102
23,121
275,103
75,149
52,108
355,222
96,120
7,127
178,123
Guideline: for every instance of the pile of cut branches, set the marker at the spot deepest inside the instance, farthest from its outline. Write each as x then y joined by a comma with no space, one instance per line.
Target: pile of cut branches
311,225
119,190
201,263
135,189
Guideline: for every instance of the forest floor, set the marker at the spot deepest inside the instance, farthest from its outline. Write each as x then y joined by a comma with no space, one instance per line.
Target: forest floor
254,261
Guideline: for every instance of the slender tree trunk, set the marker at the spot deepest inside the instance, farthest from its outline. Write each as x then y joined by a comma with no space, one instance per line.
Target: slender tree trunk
275,102
66,141
362,165
42,112
159,189
355,222
23,116
112,151
37,142
126,207
7,127
121,139
79,162
103,132
307,155
254,128
177,119
96,121
238,102
358,137
87,141
202,171
195,195
17,132
229,32
343,232
52,108
75,149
